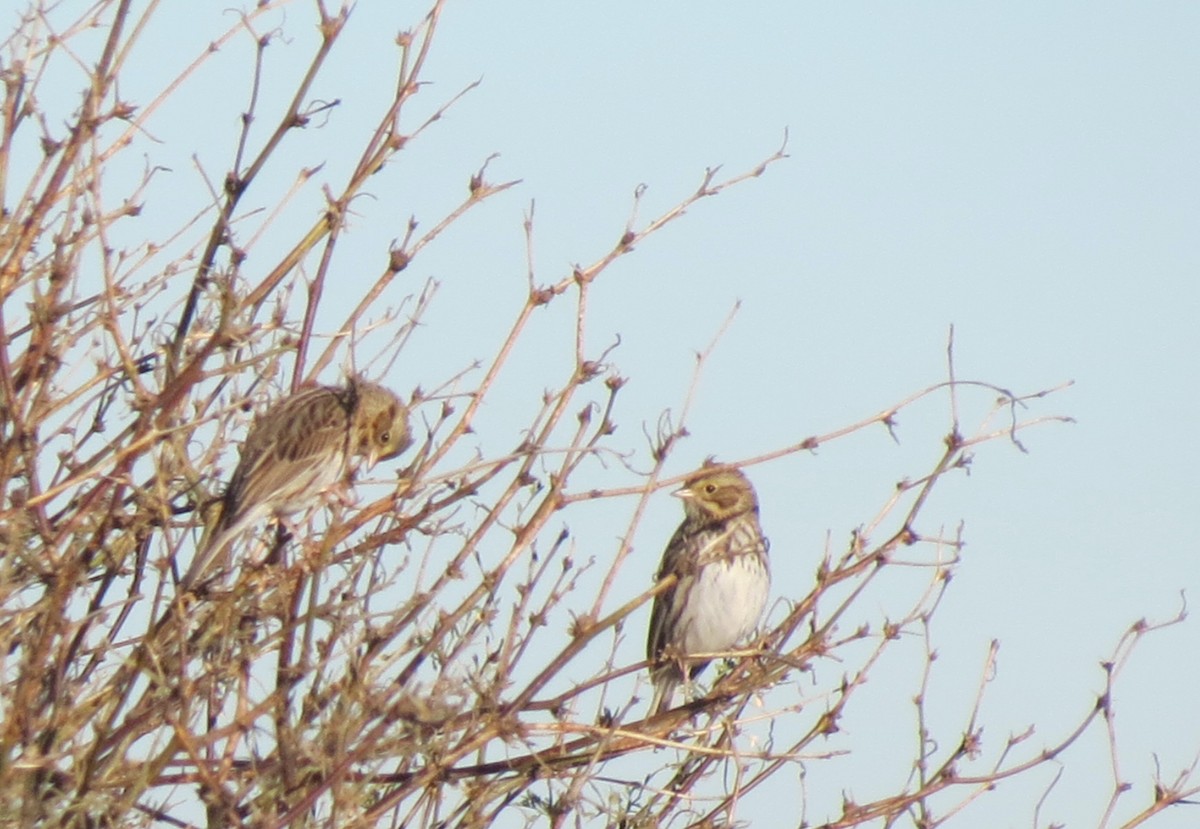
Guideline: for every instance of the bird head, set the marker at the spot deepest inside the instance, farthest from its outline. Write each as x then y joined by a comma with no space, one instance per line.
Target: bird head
381,424
716,493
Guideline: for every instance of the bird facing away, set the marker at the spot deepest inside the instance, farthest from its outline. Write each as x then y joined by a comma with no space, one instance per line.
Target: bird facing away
294,450
719,558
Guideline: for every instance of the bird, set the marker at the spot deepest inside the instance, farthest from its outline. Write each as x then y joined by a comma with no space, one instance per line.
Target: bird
298,447
718,556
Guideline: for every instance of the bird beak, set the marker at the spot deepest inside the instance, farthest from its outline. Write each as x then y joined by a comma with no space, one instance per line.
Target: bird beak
684,493
372,459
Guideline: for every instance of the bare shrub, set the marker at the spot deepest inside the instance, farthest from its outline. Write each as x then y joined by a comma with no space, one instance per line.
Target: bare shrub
439,649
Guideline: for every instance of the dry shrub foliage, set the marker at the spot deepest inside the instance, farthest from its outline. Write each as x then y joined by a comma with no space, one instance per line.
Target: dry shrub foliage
431,654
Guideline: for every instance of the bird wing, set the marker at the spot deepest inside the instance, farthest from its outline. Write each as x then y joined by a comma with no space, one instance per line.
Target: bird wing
673,559
301,447
290,454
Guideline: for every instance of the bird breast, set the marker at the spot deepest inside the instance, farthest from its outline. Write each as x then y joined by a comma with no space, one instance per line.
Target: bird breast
725,601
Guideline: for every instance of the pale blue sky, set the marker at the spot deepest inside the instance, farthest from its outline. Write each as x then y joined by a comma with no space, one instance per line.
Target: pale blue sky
1027,172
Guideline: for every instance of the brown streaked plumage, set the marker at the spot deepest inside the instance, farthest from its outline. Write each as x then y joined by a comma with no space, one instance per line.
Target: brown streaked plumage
719,558
294,450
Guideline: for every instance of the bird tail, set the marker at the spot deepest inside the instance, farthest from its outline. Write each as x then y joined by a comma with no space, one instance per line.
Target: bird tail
664,693
206,554
213,545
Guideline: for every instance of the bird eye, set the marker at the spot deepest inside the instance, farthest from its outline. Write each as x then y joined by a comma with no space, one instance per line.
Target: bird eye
386,437
710,488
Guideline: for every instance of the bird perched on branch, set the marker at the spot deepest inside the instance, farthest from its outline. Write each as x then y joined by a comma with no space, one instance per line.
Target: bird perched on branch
719,559
294,450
